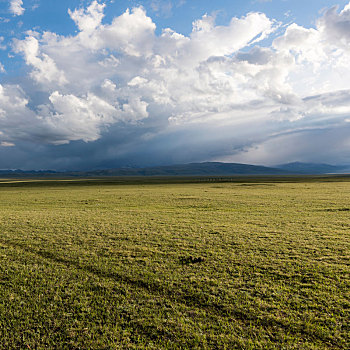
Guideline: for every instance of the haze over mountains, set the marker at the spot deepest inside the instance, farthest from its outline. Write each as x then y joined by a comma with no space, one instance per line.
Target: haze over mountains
195,169
312,168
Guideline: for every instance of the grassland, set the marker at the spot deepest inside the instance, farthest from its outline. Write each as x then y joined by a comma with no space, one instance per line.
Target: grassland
102,264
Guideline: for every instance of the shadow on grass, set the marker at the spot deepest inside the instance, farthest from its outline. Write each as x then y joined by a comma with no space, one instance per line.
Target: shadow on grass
194,299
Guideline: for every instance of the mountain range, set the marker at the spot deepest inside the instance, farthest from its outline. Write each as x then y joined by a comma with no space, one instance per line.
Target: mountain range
194,169
313,169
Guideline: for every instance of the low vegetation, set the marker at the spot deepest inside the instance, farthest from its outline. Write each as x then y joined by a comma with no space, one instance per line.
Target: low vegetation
248,264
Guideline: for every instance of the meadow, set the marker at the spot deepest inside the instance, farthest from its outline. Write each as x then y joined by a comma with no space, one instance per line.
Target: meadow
246,263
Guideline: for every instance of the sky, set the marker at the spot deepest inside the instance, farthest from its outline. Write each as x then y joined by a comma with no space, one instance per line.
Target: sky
106,84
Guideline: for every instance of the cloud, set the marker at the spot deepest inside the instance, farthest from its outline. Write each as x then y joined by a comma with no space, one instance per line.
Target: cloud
162,8
16,7
44,70
89,19
2,46
131,70
4,20
212,94
318,143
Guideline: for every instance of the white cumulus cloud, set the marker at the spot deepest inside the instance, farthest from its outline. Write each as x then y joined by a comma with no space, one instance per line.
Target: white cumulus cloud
16,7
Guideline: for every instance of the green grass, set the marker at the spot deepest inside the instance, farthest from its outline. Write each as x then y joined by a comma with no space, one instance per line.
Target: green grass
249,264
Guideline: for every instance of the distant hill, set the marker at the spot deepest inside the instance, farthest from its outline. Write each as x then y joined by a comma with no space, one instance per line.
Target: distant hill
27,173
191,169
19,171
313,168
